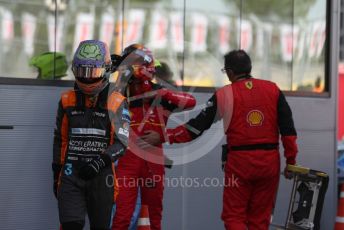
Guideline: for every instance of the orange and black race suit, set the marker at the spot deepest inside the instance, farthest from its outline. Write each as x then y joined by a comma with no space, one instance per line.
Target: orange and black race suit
85,128
255,113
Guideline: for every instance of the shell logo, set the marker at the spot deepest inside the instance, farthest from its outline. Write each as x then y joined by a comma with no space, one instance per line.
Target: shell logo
255,118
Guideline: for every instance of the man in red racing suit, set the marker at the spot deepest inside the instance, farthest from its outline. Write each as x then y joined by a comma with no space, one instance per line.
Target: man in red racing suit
143,165
255,113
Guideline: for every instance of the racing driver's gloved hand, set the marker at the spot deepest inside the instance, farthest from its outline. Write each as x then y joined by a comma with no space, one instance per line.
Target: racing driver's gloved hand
90,170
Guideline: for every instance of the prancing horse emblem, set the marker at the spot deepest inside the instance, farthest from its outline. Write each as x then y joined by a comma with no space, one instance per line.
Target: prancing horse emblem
249,84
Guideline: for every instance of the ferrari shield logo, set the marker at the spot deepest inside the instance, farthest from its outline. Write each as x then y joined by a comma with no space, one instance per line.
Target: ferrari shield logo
249,84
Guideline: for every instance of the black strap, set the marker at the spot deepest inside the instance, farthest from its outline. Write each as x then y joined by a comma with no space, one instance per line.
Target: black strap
224,153
266,146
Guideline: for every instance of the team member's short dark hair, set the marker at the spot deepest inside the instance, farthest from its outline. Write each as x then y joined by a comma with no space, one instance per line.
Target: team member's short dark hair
238,61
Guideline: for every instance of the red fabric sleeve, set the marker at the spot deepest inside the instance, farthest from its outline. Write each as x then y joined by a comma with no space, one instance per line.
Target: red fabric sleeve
290,149
181,100
178,135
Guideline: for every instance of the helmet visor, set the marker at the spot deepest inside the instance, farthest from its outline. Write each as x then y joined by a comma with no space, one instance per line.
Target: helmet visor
89,73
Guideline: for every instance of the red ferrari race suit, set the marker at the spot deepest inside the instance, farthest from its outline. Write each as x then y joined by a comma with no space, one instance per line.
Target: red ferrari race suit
254,113
86,131
144,168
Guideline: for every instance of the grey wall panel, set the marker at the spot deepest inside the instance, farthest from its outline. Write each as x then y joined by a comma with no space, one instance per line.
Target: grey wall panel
313,113
173,213
203,204
26,197
196,206
28,105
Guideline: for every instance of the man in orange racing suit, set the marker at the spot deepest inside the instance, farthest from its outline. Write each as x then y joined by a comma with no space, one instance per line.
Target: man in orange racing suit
255,113
91,132
143,164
